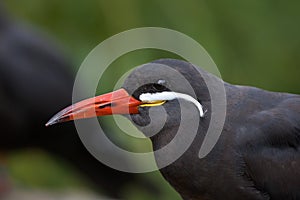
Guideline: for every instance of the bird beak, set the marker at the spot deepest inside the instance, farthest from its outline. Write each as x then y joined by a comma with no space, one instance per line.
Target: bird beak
117,102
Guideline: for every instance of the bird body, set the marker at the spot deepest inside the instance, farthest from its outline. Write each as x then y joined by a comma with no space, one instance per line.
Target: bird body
257,154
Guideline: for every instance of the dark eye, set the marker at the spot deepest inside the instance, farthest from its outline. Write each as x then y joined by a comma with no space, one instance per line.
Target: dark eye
159,87
149,88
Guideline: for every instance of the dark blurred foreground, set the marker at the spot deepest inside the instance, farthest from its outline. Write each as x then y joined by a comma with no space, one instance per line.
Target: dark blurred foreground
36,82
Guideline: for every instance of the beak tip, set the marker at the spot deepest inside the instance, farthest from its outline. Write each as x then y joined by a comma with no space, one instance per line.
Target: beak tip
52,121
49,123
59,117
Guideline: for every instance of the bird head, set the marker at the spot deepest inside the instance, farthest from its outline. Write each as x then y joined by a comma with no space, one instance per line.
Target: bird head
158,85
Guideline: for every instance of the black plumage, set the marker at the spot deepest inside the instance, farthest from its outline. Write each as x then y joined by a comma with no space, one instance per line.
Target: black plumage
257,155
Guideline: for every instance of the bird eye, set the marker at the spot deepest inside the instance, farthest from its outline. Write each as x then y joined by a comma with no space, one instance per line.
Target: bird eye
158,87
149,88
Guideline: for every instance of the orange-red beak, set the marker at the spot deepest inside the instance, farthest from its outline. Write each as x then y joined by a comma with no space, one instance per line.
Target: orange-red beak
117,102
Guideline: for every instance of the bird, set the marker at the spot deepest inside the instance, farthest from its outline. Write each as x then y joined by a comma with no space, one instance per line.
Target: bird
257,155
36,79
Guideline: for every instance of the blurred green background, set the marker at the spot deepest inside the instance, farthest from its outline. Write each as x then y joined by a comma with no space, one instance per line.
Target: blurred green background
252,42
